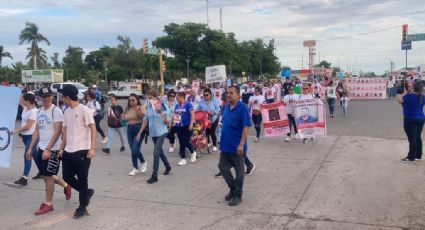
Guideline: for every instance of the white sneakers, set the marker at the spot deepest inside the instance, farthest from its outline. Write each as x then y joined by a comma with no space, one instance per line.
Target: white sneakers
134,172
214,149
182,162
104,141
193,157
171,150
297,136
288,139
144,167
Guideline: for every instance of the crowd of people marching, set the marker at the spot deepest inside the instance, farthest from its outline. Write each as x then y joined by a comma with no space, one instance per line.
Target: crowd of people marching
214,117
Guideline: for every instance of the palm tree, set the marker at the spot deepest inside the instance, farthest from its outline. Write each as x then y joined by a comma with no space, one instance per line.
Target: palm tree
4,54
30,34
39,58
55,60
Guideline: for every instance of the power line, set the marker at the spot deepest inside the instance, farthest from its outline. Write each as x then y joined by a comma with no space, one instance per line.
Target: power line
339,37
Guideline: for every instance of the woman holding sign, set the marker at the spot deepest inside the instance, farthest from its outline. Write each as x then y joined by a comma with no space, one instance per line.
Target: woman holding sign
156,119
255,103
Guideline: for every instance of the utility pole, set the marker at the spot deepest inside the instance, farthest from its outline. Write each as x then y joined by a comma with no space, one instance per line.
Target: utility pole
208,17
221,18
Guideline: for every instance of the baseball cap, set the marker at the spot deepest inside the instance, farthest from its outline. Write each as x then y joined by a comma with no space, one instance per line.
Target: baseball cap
45,92
291,87
94,86
70,91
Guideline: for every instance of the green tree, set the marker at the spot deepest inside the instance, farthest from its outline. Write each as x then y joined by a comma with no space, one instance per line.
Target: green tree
325,64
55,60
4,54
73,63
31,34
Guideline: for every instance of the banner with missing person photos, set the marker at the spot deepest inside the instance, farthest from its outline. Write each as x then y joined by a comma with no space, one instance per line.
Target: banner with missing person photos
310,118
367,88
275,120
7,122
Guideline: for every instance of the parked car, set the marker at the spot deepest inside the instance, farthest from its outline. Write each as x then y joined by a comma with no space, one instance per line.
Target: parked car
81,88
124,92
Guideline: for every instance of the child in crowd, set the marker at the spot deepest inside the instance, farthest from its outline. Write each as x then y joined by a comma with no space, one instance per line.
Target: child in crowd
344,102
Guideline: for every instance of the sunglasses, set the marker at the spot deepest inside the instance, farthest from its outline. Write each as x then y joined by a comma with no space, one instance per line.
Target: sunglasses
206,95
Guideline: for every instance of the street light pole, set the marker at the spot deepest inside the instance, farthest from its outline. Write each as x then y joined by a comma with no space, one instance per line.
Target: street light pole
104,67
187,67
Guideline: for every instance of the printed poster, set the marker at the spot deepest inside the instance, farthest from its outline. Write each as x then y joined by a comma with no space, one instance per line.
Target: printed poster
195,85
310,118
156,105
7,122
275,120
215,74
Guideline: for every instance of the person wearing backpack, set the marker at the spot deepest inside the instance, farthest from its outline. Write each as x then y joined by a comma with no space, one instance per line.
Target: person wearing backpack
98,113
115,116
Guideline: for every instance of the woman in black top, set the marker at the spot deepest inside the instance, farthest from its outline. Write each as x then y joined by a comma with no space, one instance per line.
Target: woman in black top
115,116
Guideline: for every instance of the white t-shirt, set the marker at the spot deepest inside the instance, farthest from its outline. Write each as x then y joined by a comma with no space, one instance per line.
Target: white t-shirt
305,97
269,92
331,92
289,99
46,126
94,106
28,115
217,93
76,121
278,89
256,101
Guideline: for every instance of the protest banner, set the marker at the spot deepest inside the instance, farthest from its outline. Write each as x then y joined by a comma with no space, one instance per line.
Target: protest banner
215,74
367,88
7,122
310,118
275,120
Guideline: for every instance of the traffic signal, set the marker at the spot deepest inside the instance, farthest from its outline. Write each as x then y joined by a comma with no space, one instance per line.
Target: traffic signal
163,66
145,45
404,32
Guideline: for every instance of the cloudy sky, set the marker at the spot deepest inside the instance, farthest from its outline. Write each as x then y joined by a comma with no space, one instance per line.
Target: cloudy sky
356,34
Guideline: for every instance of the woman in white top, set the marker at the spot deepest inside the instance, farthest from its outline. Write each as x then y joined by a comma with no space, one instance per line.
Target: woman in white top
289,100
331,97
254,103
29,116
94,106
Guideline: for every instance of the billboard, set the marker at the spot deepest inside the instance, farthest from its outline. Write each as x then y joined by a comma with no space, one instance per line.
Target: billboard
42,76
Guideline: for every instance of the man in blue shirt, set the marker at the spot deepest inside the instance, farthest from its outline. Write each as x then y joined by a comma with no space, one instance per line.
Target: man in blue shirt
233,144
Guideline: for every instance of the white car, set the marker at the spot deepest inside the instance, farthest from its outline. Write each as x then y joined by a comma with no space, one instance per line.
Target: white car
124,92
81,88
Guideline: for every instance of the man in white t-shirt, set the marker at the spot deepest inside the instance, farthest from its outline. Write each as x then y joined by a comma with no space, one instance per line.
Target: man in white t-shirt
47,132
78,146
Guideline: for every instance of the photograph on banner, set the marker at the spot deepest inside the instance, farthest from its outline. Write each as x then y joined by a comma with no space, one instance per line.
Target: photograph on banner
195,85
310,118
215,74
7,122
157,106
275,119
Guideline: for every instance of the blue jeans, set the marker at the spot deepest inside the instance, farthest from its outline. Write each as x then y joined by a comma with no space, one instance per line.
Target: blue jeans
256,119
132,131
331,103
111,133
158,153
27,163
247,161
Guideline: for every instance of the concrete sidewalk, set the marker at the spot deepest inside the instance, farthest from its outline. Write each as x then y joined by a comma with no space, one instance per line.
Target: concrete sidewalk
337,182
